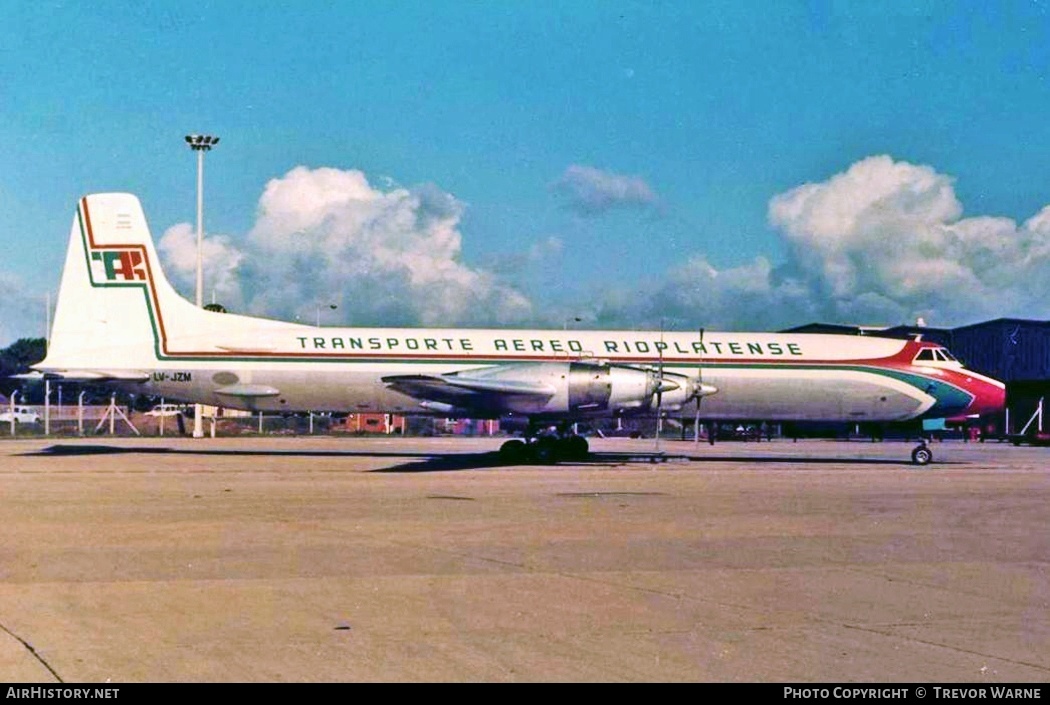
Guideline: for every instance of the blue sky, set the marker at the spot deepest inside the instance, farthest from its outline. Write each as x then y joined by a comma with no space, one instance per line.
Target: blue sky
628,163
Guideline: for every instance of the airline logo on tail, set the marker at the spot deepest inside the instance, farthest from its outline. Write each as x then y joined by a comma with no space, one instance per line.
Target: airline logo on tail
120,265
112,263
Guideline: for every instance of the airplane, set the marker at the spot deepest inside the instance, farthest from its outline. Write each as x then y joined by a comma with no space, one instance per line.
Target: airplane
119,321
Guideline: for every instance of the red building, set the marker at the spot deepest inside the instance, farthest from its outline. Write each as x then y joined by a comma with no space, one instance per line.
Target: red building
375,423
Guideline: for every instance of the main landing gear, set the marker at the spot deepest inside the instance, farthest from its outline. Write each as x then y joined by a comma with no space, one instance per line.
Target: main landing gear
545,447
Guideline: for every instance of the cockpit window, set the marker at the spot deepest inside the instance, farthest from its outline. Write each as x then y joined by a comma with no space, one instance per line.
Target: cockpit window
935,355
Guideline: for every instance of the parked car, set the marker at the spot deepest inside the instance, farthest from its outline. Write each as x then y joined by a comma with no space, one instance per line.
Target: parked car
165,410
740,432
21,414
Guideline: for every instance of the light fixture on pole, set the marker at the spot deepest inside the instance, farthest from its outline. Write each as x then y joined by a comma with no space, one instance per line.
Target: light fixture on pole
200,144
331,306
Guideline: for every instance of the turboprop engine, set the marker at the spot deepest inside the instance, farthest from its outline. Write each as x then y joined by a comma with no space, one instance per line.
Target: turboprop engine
550,389
571,388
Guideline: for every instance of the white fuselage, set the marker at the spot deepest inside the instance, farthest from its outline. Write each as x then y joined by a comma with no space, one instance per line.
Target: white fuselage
758,375
119,320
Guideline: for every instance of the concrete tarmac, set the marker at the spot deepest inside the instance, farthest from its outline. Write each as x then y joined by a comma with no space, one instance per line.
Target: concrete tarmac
358,560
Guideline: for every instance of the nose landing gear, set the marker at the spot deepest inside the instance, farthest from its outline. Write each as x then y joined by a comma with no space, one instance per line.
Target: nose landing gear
922,455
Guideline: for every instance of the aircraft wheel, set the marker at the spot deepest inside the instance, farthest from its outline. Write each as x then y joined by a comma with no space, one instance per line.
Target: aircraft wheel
545,451
922,455
575,448
513,452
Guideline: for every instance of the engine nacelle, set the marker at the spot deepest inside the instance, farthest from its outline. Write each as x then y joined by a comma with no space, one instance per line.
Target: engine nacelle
552,389
579,388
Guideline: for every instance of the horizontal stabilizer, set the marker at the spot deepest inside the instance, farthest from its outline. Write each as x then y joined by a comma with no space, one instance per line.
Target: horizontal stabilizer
245,348
92,375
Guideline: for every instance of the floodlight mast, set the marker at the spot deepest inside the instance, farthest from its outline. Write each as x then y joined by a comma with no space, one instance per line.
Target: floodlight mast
200,144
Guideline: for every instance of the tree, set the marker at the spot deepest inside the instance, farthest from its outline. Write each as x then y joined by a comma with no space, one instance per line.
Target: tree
16,359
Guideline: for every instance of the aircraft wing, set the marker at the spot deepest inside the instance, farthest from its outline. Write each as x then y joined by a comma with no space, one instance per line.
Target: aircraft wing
465,391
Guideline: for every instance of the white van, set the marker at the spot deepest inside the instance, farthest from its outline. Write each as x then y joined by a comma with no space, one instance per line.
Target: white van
22,414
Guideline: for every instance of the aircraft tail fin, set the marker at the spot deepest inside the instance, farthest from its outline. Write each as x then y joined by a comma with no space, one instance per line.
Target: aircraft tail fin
108,313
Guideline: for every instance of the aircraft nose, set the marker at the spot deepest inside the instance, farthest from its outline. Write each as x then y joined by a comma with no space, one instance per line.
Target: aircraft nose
989,397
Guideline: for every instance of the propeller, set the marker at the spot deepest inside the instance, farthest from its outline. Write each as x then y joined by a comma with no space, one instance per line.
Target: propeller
660,388
702,390
662,385
699,389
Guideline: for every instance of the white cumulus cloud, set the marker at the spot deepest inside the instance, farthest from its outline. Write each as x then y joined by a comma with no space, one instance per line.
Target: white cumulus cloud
891,232
325,237
592,191
697,294
221,259
884,242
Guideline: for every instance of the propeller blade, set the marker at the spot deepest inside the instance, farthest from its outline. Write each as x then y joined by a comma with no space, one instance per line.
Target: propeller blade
698,391
696,425
660,388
